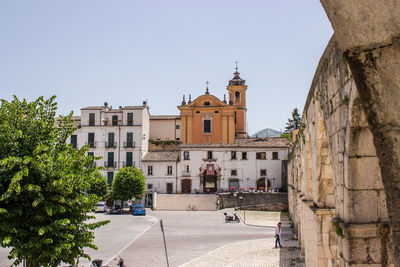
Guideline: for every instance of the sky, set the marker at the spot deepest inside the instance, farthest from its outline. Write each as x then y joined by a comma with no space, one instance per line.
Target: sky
126,51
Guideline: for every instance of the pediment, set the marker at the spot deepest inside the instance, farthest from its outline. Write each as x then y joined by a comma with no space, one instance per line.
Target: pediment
202,101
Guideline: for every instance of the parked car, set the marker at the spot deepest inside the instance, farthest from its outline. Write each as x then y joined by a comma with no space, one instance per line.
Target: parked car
100,207
139,210
115,210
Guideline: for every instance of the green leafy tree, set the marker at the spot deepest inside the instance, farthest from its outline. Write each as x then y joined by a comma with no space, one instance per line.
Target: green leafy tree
43,185
99,185
128,183
294,122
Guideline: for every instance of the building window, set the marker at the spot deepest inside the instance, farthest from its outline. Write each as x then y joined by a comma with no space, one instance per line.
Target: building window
177,127
261,155
91,119
233,155
110,142
150,186
244,155
169,170
216,111
186,155
209,155
206,103
91,140
114,120
74,141
275,155
110,159
90,154
237,95
110,177
263,172
187,169
129,140
129,159
207,126
129,121
149,170
233,172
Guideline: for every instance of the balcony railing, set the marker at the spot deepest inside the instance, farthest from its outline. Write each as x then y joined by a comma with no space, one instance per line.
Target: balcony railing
110,144
110,164
129,144
91,144
128,164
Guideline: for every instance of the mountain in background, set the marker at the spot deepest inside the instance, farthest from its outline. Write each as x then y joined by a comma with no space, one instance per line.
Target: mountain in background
267,132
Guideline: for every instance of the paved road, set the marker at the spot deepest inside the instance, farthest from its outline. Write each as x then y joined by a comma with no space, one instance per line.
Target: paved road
189,235
110,239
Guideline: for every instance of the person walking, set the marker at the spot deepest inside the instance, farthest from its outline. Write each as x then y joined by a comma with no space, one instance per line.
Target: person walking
278,235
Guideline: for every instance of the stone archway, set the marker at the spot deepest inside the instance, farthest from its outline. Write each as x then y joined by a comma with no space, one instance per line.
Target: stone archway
368,33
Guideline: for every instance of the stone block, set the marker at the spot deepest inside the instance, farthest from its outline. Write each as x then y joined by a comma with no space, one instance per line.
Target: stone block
375,249
360,206
363,173
361,143
382,207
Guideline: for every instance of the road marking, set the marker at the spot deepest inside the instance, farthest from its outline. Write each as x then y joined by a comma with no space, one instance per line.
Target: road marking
130,243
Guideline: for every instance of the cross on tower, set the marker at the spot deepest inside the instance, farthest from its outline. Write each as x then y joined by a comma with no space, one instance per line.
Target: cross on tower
207,83
236,65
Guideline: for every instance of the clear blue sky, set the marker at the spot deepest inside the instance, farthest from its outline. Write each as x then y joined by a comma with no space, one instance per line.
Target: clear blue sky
126,51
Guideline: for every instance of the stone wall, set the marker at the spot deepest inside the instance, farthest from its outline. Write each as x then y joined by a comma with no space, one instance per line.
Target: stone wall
336,194
262,200
184,202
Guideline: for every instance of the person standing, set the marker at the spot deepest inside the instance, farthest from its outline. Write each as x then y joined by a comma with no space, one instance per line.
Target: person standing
278,235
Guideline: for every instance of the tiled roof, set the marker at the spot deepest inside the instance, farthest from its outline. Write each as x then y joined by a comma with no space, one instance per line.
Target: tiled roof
164,117
92,108
245,142
161,156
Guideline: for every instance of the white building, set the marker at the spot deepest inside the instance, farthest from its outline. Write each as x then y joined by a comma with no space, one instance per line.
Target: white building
120,136
206,168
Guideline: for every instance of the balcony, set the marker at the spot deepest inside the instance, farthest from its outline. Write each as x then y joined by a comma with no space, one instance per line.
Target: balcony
128,164
110,164
110,144
186,174
129,144
91,144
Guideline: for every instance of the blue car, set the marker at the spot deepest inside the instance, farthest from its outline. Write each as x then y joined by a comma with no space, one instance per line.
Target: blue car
139,210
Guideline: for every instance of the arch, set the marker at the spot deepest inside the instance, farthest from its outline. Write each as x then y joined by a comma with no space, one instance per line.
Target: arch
237,95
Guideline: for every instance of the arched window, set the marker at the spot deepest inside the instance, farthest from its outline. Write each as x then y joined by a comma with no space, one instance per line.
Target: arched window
237,95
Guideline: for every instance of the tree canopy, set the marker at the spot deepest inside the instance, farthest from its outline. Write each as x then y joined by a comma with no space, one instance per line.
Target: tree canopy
43,186
128,183
294,122
99,185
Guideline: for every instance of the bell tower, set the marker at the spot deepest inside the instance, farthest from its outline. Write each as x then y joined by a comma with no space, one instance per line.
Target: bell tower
237,97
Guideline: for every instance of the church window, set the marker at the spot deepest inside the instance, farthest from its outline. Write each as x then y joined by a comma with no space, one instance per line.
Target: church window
185,155
237,95
207,126
197,111
216,111
206,103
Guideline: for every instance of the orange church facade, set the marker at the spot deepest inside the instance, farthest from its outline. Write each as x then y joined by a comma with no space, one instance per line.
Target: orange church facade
208,120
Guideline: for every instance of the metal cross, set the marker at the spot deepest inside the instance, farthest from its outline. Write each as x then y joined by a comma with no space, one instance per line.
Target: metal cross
207,83
236,65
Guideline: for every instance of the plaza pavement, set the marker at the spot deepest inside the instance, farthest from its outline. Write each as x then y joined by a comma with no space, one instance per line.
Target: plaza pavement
193,238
